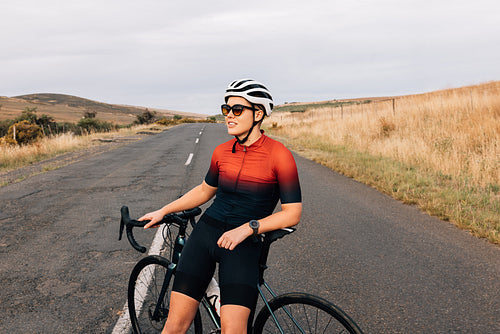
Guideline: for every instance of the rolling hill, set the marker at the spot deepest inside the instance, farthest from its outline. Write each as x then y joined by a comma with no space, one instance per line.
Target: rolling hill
68,108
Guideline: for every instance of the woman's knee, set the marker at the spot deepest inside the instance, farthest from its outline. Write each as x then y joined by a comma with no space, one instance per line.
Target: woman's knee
234,319
181,314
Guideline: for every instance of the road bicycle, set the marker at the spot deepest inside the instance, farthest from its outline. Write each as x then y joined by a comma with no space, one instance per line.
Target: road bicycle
151,280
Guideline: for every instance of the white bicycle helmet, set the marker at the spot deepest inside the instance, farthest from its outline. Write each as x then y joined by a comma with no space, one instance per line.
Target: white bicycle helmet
252,91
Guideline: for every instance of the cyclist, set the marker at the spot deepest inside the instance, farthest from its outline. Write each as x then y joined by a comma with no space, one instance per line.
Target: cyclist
247,176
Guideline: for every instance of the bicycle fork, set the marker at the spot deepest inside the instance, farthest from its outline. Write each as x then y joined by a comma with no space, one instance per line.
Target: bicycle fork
158,313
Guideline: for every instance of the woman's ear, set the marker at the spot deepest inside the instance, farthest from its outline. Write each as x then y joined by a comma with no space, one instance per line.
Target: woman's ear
259,115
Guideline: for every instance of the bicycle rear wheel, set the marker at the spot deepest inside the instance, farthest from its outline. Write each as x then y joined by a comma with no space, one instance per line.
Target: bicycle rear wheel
303,313
144,288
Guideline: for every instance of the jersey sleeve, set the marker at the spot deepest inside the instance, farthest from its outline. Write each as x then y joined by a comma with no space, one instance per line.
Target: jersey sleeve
212,177
288,178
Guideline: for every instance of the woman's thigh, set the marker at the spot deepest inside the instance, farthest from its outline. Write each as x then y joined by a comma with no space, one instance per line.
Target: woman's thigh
239,274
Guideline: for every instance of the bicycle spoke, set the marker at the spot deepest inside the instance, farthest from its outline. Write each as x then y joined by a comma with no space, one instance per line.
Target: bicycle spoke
300,313
147,312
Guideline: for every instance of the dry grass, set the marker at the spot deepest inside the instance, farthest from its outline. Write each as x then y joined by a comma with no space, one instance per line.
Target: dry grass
452,136
12,157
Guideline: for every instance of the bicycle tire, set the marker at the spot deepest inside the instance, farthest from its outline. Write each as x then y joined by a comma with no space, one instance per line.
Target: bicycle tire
313,314
144,287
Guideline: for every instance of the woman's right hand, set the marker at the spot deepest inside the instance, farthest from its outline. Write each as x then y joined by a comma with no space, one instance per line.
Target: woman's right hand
155,217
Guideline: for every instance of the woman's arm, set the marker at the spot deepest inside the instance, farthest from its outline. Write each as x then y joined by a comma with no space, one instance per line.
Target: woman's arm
288,216
195,197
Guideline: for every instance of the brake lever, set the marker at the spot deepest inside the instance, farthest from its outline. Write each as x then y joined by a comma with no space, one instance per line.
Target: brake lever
122,223
129,224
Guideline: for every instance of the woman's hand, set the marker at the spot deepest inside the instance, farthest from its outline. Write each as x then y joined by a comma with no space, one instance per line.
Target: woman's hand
155,217
234,237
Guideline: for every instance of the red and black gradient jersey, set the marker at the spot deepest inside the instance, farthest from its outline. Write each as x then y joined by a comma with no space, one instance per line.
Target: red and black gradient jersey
251,180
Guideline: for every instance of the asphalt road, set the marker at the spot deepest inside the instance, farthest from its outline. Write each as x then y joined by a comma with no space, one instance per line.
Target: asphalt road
391,267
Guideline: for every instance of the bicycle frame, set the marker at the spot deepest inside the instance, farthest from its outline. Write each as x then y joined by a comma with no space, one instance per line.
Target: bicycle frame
266,303
180,241
216,320
265,314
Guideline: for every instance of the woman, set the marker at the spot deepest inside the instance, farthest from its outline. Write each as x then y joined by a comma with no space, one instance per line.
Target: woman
247,176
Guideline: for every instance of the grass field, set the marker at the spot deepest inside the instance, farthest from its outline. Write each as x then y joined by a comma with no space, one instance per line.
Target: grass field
440,150
13,156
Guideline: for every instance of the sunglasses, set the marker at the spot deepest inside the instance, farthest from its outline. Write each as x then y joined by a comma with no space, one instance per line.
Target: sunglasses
237,109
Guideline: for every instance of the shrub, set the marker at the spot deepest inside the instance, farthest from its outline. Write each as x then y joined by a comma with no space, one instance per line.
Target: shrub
28,114
94,125
165,121
25,133
89,114
147,117
186,120
4,126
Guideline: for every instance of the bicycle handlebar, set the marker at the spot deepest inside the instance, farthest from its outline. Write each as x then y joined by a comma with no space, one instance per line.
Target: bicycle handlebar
128,223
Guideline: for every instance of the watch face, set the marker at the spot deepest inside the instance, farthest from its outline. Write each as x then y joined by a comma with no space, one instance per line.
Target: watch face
254,224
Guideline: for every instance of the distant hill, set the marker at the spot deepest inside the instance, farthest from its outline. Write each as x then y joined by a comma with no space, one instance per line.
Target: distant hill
68,108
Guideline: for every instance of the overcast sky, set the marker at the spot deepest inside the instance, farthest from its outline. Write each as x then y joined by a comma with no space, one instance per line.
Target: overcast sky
181,55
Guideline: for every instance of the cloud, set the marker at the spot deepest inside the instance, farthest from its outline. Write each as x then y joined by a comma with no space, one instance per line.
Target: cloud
181,55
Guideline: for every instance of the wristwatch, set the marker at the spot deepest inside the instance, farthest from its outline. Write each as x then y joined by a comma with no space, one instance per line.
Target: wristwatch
254,225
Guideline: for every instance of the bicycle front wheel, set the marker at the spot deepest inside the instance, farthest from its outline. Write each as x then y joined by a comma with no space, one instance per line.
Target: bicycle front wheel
303,313
144,288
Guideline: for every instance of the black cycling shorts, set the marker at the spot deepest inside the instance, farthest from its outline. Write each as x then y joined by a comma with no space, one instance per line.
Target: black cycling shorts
238,269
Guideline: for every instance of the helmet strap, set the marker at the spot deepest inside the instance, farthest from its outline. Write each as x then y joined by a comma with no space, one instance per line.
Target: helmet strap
242,141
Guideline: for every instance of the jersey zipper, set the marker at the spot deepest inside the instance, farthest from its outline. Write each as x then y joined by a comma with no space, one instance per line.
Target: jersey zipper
242,162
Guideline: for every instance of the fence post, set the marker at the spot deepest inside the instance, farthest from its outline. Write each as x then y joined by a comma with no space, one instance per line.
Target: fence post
14,132
471,104
393,107
342,111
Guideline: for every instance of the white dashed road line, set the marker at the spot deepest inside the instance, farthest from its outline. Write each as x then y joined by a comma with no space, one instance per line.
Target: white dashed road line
188,161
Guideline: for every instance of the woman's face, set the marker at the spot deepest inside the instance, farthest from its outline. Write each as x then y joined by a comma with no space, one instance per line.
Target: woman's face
239,125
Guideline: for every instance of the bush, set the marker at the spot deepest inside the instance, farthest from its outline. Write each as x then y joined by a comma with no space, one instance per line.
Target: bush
66,127
28,114
25,133
186,120
89,125
4,126
89,114
166,122
147,117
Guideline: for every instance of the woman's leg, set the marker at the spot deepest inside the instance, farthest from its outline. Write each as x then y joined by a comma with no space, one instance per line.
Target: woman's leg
182,311
238,278
194,272
234,319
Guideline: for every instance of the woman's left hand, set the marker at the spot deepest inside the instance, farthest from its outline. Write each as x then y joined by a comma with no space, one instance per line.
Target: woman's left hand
234,237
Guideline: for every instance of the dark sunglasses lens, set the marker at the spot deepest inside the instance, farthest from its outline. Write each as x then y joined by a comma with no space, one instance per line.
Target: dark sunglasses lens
237,109
225,109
